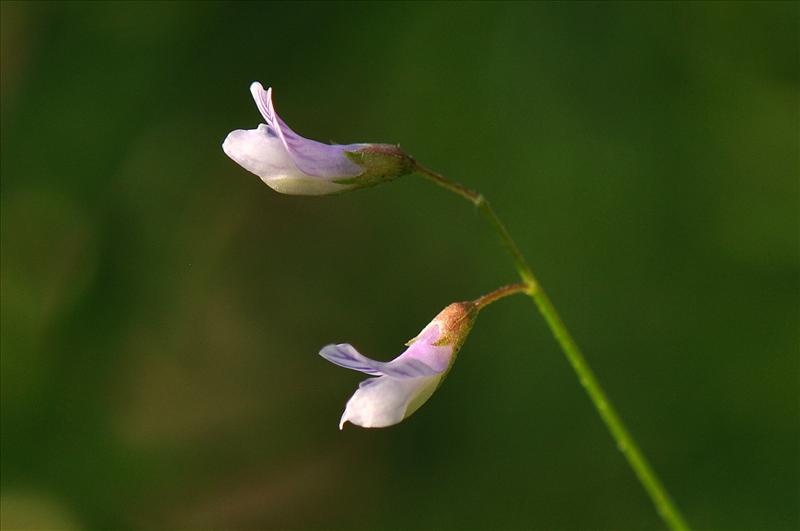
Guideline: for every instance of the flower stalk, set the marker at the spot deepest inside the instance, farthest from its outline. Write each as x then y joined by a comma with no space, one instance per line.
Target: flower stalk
644,472
512,289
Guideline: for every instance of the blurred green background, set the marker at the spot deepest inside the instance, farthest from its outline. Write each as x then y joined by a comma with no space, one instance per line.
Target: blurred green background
162,309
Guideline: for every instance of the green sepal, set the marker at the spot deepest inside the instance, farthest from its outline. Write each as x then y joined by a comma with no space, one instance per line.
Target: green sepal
381,162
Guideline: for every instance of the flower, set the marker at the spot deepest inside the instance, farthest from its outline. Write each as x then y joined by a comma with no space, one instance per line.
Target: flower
291,164
405,383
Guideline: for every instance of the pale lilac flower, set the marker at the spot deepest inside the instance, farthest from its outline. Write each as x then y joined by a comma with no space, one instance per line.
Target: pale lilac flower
291,164
402,385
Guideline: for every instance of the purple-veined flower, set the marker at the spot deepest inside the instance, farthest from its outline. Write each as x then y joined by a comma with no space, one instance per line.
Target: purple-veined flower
402,385
291,164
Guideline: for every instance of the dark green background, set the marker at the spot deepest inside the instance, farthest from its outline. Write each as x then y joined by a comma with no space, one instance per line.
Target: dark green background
162,309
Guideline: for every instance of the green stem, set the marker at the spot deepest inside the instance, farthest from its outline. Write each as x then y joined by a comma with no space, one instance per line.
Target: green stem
644,472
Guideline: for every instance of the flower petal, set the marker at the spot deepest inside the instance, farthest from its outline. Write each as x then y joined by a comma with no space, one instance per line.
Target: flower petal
260,152
345,355
384,401
263,99
423,348
312,157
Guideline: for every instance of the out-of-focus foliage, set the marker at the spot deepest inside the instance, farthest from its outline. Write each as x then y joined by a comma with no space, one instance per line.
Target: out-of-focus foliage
162,309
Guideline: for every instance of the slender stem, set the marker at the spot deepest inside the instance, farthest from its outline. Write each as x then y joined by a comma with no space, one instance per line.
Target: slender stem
485,300
625,442
486,209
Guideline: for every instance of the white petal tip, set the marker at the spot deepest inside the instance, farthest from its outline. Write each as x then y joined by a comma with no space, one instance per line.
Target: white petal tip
228,143
258,92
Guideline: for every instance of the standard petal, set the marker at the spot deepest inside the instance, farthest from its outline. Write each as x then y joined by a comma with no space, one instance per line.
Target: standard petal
263,99
345,355
314,158
384,401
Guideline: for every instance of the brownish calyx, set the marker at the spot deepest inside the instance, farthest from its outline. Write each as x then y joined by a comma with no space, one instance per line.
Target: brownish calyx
455,322
388,150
